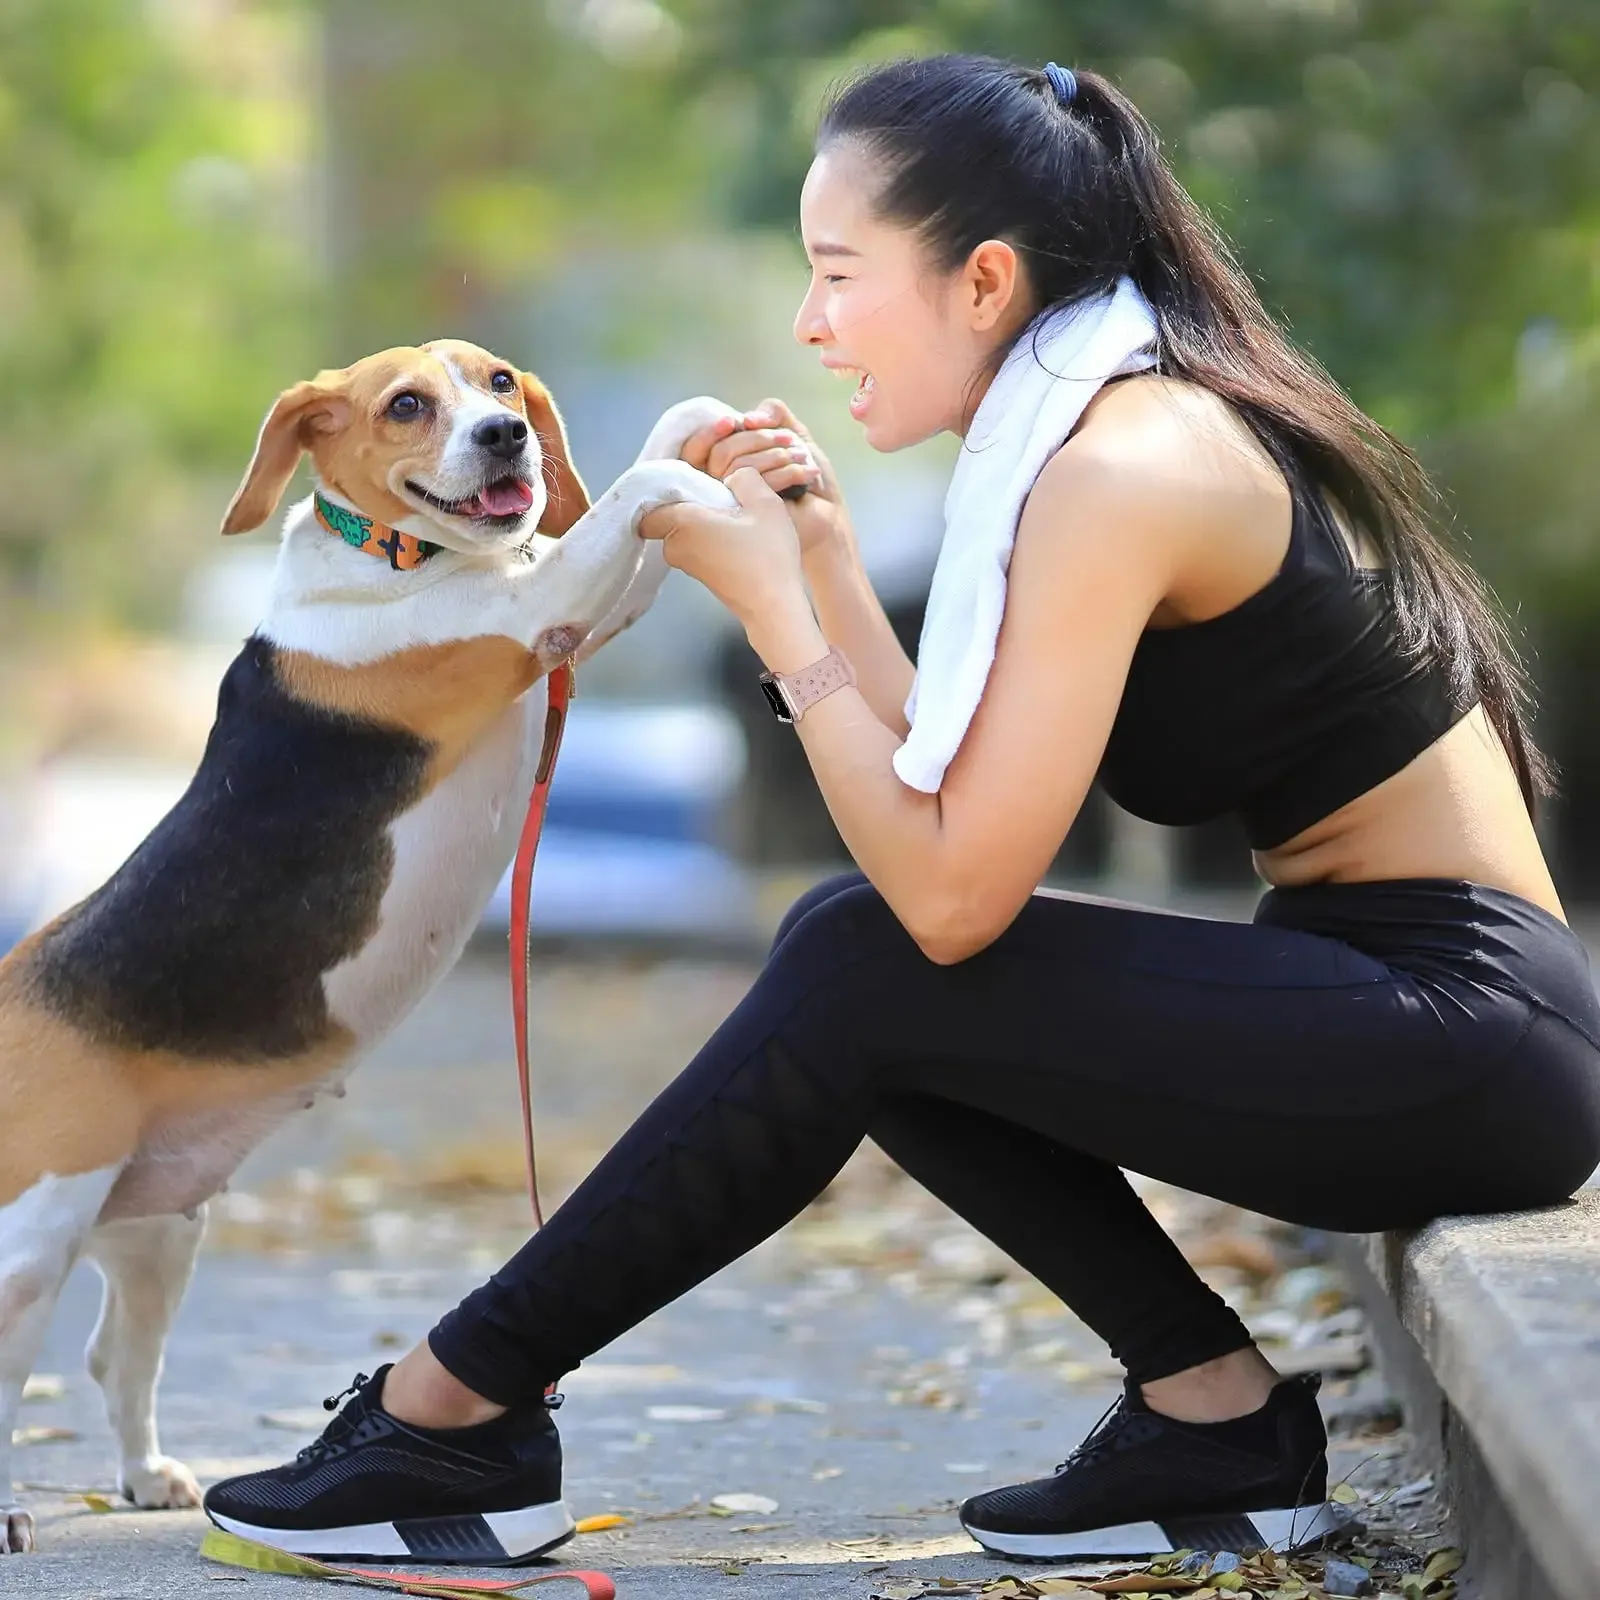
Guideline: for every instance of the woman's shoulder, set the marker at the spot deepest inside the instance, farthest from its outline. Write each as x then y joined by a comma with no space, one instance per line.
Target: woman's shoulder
1175,434
1172,461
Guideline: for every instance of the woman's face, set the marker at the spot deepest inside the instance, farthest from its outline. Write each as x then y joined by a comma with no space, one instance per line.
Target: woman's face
912,338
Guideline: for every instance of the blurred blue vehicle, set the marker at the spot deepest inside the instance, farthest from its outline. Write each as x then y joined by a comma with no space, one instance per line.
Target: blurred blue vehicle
631,840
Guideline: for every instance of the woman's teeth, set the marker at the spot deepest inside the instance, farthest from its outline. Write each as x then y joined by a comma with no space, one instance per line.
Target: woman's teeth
864,386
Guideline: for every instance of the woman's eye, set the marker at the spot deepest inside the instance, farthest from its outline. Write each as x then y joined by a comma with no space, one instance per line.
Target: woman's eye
405,406
502,383
834,277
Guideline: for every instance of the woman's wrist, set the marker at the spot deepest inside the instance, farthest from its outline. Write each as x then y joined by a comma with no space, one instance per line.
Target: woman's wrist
786,634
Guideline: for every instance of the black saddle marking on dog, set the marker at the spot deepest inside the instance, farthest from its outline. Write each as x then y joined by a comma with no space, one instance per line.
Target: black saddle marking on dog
211,940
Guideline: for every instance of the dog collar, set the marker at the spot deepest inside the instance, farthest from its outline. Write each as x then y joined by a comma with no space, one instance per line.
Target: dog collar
404,550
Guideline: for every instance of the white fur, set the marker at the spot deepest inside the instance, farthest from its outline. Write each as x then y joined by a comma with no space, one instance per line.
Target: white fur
676,426
41,1234
450,851
146,1263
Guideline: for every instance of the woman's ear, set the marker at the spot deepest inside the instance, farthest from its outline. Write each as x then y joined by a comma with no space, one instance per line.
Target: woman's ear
568,499
319,405
991,283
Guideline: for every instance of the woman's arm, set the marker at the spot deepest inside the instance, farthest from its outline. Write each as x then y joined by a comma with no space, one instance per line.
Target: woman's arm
852,617
1095,552
775,442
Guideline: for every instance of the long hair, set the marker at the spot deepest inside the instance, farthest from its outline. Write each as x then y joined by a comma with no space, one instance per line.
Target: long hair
973,148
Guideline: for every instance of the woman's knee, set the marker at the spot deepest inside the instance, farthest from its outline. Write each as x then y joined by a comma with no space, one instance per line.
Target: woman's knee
853,927
818,894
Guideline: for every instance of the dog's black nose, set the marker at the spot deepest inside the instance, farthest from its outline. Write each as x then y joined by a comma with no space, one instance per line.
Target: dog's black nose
501,436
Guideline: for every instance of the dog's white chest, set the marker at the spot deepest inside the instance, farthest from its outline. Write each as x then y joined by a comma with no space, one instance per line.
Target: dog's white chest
451,849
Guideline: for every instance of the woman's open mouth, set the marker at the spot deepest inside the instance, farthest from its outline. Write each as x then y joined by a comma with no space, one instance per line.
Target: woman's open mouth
865,385
504,500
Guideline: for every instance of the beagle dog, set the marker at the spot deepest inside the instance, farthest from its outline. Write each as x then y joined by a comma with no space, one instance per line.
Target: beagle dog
359,798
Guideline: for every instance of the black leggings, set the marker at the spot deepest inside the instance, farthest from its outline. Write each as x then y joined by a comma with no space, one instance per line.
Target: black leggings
1359,1057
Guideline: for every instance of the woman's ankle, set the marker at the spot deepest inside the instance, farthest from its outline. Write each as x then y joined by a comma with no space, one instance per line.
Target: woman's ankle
1220,1390
419,1390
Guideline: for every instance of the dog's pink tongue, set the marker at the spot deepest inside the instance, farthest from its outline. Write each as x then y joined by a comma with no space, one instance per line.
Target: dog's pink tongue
508,498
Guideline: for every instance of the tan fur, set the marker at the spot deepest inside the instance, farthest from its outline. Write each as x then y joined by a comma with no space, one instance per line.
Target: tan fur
362,453
448,694
54,1073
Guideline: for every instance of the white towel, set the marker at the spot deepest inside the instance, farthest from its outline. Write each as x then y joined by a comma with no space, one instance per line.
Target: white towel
1048,377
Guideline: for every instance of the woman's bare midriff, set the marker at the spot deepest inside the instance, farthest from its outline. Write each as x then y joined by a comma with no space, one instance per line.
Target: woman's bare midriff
1453,812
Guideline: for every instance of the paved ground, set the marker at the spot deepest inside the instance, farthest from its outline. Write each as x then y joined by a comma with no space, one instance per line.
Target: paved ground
865,1370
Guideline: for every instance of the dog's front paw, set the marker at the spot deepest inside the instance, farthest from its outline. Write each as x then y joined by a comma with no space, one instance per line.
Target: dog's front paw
666,483
160,1484
678,424
16,1531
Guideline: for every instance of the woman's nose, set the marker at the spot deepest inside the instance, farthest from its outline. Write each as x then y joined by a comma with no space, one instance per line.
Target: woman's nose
809,325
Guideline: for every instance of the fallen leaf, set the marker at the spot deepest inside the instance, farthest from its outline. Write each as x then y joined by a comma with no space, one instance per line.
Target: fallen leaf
967,1467
1441,1564
727,1505
599,1524
96,1502
1144,1583
306,1420
824,1473
35,1434
686,1413
43,1386
1344,1495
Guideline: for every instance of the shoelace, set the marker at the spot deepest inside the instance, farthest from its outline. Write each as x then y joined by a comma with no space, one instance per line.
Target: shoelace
1100,1437
342,1425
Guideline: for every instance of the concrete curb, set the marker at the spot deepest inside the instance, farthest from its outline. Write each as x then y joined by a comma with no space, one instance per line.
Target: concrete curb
1488,1328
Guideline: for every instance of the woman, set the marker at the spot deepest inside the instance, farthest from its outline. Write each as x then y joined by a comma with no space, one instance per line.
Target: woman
1223,597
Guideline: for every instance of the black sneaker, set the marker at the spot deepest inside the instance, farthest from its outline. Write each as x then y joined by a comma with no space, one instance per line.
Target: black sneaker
372,1486
1144,1484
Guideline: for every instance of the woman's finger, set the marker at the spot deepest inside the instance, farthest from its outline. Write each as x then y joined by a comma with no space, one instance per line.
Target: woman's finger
773,413
698,446
735,450
796,475
765,461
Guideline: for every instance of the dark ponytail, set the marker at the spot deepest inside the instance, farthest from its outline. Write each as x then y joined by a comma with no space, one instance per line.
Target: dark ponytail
973,148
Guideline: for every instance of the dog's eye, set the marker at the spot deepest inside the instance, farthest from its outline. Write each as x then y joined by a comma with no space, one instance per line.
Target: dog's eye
502,383
405,406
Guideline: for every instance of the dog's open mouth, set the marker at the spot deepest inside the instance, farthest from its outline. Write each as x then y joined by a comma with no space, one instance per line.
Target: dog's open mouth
504,500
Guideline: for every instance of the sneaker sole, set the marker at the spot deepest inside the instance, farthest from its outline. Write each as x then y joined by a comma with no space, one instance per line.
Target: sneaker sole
1291,1528
479,1539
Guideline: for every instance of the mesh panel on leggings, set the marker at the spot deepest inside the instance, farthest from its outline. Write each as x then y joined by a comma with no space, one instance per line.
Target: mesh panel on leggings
750,1159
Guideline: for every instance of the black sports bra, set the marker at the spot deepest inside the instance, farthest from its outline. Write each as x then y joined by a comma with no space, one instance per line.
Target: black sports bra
1283,709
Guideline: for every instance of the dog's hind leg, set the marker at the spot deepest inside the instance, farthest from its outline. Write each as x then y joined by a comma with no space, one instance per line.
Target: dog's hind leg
146,1263
41,1234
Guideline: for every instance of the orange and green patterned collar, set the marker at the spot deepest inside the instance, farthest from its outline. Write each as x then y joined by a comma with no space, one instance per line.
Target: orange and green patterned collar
404,550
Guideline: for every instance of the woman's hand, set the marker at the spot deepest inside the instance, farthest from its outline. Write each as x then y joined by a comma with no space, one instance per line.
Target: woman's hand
774,442
749,558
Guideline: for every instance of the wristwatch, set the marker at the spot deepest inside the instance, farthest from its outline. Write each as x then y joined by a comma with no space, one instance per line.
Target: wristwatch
790,693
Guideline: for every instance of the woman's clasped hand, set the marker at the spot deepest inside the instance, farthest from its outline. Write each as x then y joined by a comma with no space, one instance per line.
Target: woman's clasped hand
750,559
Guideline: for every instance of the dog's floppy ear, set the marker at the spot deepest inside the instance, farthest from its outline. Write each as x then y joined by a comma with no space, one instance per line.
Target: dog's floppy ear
319,405
568,498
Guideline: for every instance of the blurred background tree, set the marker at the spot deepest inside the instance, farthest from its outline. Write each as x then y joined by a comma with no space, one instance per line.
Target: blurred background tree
202,199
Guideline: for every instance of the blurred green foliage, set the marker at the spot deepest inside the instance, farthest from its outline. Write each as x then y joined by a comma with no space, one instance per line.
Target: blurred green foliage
1410,182
153,282
202,199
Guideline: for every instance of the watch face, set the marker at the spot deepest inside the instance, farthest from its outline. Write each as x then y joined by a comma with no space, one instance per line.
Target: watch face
775,699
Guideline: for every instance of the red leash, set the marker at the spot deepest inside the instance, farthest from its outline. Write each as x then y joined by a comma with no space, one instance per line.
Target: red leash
563,685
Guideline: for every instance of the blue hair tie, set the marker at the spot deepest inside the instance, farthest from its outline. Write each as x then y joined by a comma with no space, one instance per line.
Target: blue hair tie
1064,81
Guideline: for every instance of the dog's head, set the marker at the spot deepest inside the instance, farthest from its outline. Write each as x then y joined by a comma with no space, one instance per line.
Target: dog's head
441,440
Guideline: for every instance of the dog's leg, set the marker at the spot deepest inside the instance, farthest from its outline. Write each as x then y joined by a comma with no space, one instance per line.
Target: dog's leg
582,579
41,1233
675,427
146,1263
